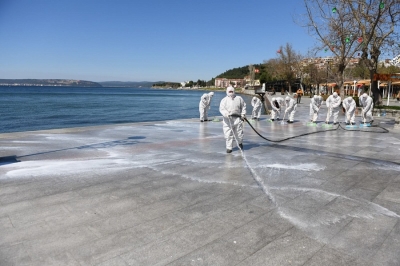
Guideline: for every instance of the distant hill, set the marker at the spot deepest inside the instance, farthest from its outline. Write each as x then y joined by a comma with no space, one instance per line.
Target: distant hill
130,84
238,72
49,82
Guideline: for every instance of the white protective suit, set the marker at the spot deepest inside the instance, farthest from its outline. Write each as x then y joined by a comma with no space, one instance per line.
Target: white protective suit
315,104
256,103
333,104
204,105
276,104
367,105
349,106
233,110
291,106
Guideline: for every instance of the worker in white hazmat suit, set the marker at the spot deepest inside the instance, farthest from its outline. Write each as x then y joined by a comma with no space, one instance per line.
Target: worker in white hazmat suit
256,103
233,110
315,105
367,105
333,104
204,105
276,104
349,106
291,106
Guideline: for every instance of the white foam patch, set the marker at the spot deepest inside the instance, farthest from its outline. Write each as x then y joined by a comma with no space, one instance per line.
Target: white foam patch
64,168
25,141
193,177
301,166
153,158
67,138
212,163
13,148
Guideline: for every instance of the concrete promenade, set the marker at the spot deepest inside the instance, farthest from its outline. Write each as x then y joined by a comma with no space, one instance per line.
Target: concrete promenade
166,193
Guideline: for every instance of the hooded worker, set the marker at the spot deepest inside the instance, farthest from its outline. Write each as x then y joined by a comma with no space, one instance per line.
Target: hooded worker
367,105
276,104
233,110
315,105
349,106
256,103
291,106
204,105
333,104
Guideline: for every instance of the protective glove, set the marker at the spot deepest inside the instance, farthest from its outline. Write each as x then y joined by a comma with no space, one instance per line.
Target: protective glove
242,117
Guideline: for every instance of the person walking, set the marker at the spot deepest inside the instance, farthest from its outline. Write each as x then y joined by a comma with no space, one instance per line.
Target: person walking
233,110
204,105
299,93
256,103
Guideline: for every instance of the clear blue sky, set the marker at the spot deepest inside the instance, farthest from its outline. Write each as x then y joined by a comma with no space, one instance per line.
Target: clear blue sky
143,40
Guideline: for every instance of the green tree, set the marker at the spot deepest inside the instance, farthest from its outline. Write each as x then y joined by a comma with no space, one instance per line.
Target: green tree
189,84
314,75
286,66
377,21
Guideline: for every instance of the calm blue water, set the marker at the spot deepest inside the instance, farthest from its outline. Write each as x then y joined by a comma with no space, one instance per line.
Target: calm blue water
37,108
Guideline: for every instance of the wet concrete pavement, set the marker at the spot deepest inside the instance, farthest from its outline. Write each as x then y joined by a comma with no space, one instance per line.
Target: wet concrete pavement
166,193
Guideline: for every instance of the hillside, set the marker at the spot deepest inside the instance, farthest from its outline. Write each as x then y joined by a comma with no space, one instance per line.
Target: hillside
128,84
237,73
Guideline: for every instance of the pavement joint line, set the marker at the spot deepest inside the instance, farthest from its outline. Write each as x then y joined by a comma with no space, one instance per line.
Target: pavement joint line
266,244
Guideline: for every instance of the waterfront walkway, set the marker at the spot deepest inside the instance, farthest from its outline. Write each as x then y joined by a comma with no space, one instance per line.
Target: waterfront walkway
166,193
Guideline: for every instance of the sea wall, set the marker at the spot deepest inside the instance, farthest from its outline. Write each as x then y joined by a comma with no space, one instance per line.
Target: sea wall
247,92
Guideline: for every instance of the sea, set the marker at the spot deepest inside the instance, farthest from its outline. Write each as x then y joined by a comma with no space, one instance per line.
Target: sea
40,108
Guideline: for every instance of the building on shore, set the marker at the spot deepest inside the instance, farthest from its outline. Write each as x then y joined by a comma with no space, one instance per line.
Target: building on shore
236,83
224,82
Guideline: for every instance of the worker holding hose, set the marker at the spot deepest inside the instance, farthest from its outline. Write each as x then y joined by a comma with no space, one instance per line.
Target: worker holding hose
233,110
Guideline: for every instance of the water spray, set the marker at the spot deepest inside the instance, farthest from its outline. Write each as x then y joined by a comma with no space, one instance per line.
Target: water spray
257,178
283,120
